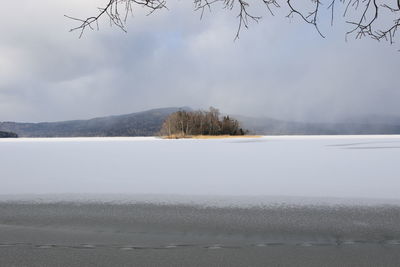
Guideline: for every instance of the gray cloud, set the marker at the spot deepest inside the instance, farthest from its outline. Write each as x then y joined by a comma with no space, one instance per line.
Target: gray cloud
278,69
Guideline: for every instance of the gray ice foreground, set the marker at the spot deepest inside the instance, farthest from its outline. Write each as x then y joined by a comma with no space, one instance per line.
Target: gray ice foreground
272,201
53,232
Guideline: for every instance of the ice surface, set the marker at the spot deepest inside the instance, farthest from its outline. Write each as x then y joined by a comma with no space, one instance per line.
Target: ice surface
308,166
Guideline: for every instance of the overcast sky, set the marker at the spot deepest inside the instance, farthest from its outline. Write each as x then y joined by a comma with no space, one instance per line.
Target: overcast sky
278,68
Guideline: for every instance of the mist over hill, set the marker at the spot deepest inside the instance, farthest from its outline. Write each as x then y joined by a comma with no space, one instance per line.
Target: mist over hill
148,123
356,125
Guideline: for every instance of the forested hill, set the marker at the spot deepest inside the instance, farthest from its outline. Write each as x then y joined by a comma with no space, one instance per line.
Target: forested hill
146,123
8,135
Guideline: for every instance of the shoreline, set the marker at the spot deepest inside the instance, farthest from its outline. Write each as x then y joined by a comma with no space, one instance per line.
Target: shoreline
152,138
205,201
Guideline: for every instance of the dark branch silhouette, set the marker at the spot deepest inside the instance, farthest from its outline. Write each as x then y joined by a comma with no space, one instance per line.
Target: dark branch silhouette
364,17
117,11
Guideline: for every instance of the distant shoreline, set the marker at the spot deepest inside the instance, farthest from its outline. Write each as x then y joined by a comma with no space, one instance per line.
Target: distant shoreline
158,138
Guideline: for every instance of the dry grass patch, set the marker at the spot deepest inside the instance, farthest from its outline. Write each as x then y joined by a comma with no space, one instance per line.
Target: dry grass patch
209,136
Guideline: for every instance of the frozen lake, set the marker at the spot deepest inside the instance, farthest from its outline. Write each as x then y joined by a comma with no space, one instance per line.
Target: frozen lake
290,201
295,166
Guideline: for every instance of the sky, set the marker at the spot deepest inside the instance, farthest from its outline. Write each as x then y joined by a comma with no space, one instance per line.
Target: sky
279,68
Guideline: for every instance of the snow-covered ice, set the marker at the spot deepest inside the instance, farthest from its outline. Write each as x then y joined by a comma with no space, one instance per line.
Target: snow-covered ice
310,166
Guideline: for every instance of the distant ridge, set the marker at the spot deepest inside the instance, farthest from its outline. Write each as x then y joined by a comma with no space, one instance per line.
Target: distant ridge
148,123
145,123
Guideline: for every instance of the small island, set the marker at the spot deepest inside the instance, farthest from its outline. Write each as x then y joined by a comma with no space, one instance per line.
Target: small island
8,135
200,124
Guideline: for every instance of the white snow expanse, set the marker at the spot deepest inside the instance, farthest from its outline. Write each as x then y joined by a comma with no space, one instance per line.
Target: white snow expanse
310,166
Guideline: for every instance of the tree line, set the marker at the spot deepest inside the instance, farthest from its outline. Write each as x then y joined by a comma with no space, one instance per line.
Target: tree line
8,135
188,123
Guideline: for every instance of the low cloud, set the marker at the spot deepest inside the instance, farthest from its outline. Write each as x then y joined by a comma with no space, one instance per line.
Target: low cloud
172,58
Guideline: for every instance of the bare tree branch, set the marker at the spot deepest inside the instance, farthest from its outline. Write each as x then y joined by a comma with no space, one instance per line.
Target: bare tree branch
363,15
113,11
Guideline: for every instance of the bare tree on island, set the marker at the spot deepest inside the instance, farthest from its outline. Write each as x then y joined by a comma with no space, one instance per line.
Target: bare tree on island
189,123
377,19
